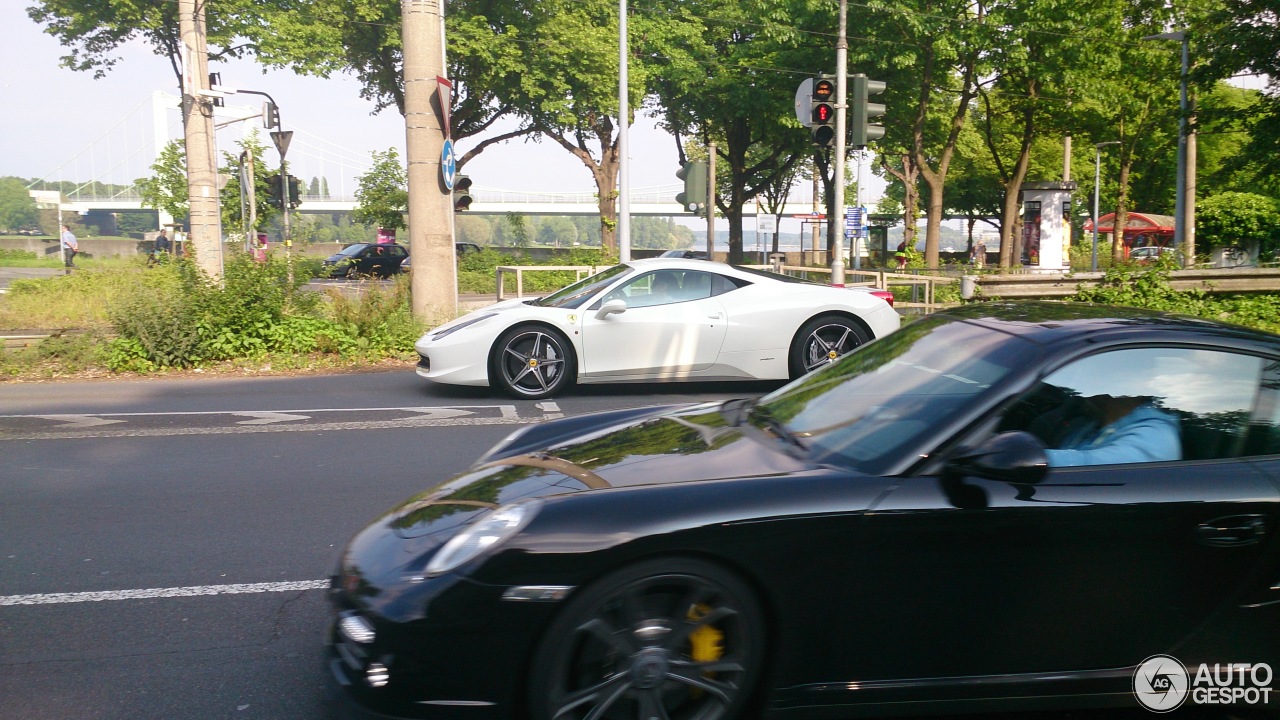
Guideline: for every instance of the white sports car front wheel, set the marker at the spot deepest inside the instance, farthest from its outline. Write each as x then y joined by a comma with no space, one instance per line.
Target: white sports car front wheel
531,362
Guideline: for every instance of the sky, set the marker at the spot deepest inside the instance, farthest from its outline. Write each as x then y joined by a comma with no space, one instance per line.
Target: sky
62,124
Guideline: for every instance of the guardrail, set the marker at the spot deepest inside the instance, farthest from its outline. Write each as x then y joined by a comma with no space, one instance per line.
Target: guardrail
520,270
1223,280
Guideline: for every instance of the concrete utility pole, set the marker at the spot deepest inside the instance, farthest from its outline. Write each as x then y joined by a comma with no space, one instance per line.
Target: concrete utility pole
197,122
434,284
842,124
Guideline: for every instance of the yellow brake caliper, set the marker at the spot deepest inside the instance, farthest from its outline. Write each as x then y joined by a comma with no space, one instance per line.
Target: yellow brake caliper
706,644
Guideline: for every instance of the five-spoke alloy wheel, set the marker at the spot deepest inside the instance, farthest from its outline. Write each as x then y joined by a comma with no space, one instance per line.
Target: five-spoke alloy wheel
822,340
675,639
531,362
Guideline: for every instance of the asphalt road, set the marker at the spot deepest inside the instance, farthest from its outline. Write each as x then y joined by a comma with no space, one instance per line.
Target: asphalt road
163,543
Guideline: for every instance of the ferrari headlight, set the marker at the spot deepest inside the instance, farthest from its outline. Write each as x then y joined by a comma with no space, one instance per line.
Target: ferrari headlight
481,536
459,326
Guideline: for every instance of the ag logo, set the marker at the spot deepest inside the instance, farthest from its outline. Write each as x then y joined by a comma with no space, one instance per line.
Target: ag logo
1160,683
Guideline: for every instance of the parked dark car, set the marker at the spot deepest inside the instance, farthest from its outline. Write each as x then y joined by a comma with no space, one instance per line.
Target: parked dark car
893,533
459,248
685,254
380,260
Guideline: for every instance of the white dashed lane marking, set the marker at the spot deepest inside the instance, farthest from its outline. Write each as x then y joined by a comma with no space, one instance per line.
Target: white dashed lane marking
148,593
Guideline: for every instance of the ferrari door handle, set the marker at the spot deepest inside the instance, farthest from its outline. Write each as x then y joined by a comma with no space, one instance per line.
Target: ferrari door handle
715,316
1232,531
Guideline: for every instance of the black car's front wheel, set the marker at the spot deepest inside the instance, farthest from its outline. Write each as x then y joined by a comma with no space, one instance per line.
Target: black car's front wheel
531,362
678,639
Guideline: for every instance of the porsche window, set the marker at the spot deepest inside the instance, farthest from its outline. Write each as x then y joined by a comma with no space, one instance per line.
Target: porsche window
1205,396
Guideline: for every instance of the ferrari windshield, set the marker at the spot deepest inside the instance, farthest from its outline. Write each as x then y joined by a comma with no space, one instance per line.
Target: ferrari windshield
578,293
862,410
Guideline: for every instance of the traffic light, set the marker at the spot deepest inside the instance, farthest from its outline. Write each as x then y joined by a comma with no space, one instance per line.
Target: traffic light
861,131
273,191
823,117
461,193
694,197
295,192
270,115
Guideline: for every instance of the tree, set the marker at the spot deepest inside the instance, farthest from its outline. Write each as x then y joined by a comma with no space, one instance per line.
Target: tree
94,29
382,194
1242,219
264,211
166,190
727,74
17,208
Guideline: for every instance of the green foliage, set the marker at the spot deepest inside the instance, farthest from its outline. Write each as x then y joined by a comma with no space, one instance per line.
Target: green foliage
1235,218
382,197
1148,287
17,208
232,218
166,190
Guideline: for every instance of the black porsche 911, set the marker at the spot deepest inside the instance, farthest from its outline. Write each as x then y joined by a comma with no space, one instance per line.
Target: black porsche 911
1004,506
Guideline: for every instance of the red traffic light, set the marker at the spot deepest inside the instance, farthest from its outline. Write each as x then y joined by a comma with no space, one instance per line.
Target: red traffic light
823,113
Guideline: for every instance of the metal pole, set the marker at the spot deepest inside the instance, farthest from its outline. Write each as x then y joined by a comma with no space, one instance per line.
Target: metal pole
1188,166
857,232
1180,204
711,201
624,181
1097,181
1097,178
842,111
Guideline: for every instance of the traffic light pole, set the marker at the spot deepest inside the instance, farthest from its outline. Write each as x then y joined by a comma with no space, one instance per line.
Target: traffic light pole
842,90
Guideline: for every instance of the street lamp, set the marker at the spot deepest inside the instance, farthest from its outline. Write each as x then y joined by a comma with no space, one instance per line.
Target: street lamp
1097,180
1184,206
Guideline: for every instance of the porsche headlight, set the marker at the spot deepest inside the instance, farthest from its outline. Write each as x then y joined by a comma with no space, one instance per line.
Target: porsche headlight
481,536
459,326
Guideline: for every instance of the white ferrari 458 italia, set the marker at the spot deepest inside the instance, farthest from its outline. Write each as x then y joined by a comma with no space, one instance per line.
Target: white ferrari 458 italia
656,320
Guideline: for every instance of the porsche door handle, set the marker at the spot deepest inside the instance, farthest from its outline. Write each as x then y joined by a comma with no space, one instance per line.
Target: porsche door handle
1232,531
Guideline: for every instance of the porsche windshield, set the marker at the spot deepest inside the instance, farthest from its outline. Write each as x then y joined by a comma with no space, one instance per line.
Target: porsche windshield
865,408
583,290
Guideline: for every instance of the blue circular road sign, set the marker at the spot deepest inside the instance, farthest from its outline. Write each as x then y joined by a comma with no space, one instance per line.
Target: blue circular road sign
448,164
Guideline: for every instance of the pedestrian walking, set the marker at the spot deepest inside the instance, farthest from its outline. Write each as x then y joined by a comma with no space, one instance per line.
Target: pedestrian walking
69,247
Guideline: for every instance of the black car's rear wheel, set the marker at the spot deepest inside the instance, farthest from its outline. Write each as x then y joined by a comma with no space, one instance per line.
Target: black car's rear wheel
822,340
675,639
531,362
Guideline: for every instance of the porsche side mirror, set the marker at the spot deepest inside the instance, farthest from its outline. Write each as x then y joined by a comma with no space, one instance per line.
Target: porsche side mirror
613,306
1016,457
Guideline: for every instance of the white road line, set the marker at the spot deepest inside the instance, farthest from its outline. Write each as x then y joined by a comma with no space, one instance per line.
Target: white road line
413,422
193,591
505,410
78,421
266,418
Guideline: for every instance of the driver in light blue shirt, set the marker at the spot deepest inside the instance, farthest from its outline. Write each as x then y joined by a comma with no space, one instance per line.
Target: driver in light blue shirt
1131,430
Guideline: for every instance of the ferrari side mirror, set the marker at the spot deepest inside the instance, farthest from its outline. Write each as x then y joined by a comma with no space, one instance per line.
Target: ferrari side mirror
613,306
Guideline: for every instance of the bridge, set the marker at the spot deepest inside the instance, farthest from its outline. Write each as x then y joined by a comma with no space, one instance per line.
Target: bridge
126,150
